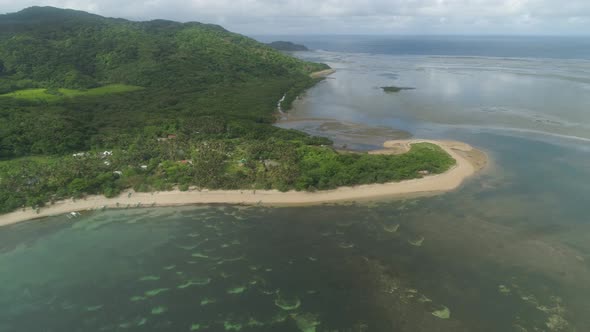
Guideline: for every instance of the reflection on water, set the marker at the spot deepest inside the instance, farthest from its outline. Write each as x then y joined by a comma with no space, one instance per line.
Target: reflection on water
532,94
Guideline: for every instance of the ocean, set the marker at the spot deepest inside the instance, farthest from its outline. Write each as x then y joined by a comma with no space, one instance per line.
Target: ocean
508,251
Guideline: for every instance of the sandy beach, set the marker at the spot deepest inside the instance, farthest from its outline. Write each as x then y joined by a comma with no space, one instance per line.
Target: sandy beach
322,73
469,161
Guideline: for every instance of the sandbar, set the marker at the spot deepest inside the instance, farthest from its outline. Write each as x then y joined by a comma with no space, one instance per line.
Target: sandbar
322,73
469,161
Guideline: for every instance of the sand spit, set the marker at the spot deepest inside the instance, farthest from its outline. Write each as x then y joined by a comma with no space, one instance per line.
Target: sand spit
323,73
469,161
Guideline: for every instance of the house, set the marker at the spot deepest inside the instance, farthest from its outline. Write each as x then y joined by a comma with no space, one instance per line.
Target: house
171,136
144,167
424,173
106,154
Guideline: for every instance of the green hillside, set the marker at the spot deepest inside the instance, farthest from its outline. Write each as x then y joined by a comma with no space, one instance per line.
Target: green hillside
176,104
48,47
186,71
287,46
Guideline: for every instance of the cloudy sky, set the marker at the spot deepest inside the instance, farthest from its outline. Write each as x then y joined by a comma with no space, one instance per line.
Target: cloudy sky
350,16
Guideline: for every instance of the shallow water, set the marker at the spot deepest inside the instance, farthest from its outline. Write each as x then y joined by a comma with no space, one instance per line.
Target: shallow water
509,251
385,266
454,93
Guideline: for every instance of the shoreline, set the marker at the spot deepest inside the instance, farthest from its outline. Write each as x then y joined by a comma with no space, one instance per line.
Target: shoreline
322,73
469,161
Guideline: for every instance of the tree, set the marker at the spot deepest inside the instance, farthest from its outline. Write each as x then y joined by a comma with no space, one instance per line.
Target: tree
77,187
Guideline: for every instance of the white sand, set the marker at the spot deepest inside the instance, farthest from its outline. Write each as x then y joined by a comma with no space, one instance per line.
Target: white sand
450,180
323,73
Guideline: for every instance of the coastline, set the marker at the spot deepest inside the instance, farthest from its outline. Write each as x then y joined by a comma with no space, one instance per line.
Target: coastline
469,161
322,73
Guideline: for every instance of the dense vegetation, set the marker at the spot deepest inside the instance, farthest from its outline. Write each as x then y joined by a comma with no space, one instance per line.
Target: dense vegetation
287,46
214,164
92,105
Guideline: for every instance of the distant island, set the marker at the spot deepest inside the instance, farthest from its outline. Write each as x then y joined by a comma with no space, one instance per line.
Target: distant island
287,46
395,89
102,107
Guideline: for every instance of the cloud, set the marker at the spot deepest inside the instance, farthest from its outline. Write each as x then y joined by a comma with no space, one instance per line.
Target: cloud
349,16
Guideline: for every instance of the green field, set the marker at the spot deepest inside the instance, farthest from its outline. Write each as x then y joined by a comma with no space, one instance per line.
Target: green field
57,94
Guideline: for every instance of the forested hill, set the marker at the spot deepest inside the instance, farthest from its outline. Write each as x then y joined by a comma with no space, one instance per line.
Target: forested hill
94,105
287,46
177,78
50,47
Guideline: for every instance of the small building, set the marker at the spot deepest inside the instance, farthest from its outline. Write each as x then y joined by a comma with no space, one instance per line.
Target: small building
106,154
424,172
171,136
144,167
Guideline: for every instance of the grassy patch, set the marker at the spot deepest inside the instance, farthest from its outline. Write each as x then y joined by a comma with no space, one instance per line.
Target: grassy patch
58,94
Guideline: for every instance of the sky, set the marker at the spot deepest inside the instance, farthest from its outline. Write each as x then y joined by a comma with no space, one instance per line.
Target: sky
298,17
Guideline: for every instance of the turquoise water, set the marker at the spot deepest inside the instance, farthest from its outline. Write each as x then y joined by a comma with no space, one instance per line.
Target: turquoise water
379,267
509,251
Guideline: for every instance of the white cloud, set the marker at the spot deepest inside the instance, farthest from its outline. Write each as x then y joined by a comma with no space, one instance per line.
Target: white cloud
349,16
